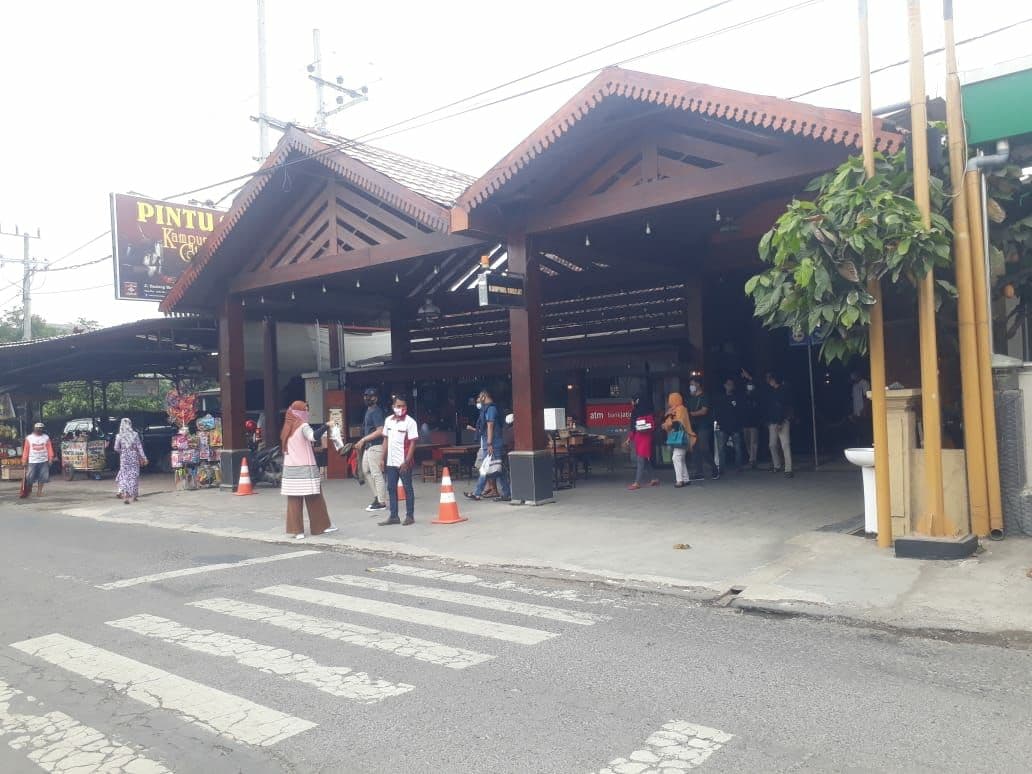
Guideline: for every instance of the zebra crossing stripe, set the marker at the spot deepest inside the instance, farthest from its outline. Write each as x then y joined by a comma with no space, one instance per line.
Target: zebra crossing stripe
186,571
352,634
472,600
417,615
565,595
223,713
336,681
58,743
677,746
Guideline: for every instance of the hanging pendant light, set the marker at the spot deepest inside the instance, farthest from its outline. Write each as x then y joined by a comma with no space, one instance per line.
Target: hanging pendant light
648,228
261,299
243,301
292,296
358,283
587,240
397,279
324,287
436,268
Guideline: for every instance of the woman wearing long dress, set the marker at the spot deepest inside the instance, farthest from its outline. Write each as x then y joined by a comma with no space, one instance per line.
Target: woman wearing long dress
302,482
131,458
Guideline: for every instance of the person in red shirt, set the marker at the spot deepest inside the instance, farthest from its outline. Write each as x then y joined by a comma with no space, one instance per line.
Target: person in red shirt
37,456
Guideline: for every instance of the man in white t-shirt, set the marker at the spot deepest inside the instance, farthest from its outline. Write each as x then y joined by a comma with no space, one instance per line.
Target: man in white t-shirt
37,456
402,434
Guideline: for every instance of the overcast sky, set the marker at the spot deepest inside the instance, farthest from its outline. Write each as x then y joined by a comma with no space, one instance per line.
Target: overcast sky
155,97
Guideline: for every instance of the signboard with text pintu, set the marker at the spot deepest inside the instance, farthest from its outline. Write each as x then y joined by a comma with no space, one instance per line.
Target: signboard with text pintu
154,242
501,289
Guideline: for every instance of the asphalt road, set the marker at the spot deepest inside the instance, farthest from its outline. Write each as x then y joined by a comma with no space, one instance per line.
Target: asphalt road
334,662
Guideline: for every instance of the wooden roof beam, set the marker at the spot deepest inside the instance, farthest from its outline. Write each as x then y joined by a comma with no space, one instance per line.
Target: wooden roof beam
798,163
366,258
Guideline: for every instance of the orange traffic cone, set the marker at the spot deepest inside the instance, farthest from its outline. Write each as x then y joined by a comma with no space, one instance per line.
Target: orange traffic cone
401,491
244,486
448,511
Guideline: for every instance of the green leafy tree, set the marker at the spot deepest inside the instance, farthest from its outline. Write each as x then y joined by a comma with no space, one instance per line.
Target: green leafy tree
75,400
11,327
822,253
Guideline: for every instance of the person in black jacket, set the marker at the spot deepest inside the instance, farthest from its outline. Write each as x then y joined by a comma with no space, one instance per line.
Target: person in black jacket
751,420
730,412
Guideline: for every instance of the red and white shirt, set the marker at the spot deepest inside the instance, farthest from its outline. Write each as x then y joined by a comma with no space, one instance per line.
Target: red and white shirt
37,449
400,432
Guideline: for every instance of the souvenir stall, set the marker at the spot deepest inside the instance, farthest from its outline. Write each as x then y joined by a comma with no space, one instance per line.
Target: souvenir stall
10,451
195,455
83,453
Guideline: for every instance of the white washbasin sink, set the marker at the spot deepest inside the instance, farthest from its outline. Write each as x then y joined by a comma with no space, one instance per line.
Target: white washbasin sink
864,457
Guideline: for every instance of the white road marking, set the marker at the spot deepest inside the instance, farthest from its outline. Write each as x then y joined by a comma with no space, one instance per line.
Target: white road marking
676,747
398,644
160,576
209,708
58,743
472,600
336,681
566,595
416,615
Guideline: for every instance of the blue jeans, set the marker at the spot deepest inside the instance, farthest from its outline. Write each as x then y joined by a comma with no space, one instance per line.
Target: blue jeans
393,475
502,479
736,441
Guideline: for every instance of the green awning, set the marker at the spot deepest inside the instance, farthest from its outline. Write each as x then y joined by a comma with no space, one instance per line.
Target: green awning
998,107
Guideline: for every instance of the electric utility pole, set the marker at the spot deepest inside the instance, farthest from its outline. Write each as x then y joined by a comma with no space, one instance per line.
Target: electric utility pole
263,88
345,98
30,266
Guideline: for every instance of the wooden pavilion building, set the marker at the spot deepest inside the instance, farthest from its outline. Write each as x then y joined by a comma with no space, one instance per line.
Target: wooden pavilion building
632,215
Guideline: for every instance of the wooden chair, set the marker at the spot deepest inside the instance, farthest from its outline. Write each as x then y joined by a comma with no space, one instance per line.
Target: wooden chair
430,471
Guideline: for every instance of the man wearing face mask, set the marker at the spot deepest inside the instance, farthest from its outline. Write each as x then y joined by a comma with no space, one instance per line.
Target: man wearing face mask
698,405
372,459
489,430
401,434
750,419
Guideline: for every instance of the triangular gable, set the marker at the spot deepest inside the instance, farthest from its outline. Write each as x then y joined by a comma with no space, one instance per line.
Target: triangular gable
776,115
376,172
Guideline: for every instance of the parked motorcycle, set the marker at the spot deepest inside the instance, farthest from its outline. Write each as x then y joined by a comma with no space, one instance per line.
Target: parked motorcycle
267,466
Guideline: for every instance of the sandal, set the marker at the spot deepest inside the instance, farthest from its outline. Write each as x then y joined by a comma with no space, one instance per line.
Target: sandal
634,487
471,496
654,482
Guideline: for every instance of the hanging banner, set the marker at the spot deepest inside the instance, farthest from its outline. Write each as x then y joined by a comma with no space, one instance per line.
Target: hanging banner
154,242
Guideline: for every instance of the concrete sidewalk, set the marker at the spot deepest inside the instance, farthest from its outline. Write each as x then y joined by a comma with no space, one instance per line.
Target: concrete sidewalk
780,545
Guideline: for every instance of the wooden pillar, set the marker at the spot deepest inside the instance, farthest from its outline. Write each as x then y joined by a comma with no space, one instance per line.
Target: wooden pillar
231,388
270,381
531,460
693,290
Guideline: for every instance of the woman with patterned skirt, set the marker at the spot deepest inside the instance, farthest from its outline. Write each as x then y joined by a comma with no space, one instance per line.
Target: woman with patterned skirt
131,459
302,483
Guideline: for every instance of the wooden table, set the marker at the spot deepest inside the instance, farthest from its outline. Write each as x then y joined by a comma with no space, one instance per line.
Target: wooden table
465,453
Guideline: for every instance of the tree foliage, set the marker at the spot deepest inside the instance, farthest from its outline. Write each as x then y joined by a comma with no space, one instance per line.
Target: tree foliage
75,401
823,253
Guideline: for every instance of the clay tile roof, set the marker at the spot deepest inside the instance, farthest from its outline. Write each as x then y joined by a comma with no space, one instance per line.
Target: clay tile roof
775,114
437,184
422,190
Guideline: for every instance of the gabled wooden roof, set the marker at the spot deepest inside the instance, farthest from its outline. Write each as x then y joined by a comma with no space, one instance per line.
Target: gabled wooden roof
420,190
773,114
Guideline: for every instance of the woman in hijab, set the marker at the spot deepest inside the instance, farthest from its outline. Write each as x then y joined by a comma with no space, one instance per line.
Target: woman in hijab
640,439
677,419
302,483
131,459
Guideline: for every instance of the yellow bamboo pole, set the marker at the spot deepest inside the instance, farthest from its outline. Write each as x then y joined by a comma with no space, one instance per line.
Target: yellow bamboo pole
979,284
933,519
974,440
876,334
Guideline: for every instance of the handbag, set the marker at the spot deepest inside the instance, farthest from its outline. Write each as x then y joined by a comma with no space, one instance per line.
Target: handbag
677,437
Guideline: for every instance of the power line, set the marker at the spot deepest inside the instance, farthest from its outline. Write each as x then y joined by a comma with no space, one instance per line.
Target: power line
84,245
376,134
902,62
73,290
557,65
80,265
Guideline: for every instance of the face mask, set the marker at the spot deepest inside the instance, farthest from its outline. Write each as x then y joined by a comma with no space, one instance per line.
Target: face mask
480,406
693,390
399,412
750,388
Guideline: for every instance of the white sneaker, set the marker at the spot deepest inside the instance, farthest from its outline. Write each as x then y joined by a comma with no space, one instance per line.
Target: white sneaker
328,530
299,537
